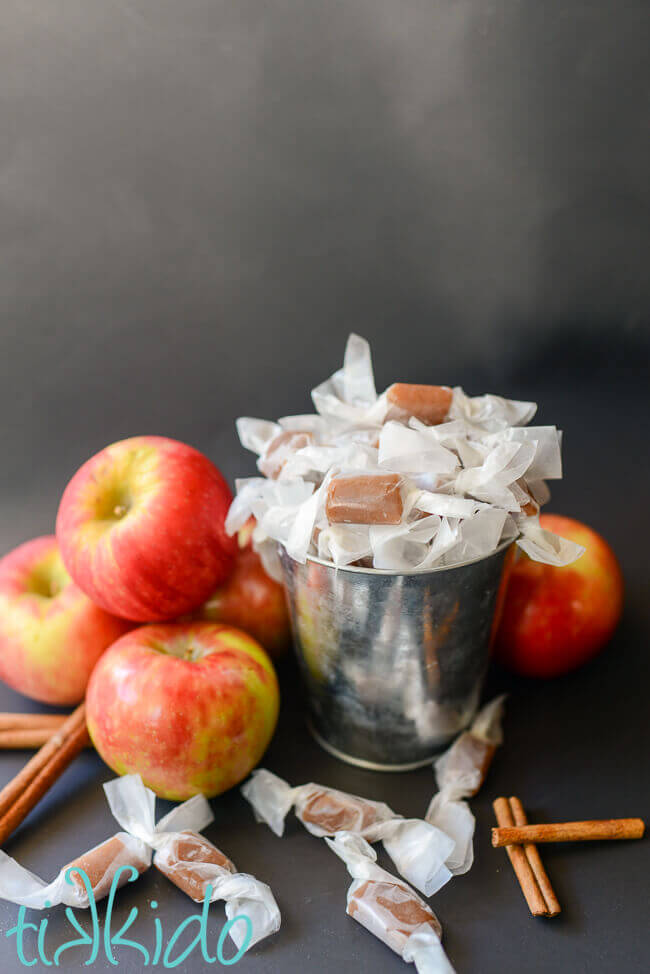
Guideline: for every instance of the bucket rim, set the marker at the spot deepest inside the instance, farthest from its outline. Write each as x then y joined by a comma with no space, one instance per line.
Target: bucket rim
357,569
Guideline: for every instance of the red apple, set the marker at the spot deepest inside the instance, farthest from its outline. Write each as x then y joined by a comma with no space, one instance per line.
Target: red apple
189,706
141,528
251,600
554,619
51,634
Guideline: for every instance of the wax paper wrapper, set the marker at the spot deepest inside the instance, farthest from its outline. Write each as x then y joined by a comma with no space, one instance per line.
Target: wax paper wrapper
418,849
542,545
100,864
390,909
190,860
471,475
460,772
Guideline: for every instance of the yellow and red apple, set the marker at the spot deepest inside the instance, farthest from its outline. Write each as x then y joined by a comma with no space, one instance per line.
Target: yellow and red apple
251,600
554,619
189,706
141,527
51,634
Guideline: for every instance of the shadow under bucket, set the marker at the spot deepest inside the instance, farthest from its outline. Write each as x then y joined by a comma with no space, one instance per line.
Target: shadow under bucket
393,663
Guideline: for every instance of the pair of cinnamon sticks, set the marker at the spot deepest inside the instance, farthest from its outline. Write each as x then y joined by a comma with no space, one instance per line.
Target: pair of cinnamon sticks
519,839
526,861
22,793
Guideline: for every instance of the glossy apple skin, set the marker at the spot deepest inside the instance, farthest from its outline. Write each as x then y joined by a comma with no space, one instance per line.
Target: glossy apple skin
187,726
141,528
51,634
555,619
251,600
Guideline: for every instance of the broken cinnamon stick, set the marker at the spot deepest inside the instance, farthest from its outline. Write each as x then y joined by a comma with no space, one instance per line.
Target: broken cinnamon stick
611,828
523,871
535,861
19,797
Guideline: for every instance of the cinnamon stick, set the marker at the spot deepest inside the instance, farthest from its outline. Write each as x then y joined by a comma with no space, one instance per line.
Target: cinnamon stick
535,861
31,721
27,740
523,871
20,796
611,828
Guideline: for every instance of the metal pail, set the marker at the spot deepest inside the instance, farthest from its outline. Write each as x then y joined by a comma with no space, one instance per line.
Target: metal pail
393,663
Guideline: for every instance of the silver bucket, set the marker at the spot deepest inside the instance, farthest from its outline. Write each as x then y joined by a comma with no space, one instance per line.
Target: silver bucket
393,663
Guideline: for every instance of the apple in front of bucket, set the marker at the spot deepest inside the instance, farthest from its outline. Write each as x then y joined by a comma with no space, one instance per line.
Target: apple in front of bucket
555,619
189,706
251,600
141,527
51,634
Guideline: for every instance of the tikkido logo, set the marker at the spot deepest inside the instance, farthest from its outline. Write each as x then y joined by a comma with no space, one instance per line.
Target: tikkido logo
98,939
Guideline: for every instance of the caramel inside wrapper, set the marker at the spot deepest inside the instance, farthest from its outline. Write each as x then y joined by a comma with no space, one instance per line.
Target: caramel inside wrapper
530,507
280,446
398,910
429,404
369,499
179,863
333,813
106,858
472,752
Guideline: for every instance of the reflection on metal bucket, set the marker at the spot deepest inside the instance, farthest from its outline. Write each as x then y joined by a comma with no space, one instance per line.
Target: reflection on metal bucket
393,663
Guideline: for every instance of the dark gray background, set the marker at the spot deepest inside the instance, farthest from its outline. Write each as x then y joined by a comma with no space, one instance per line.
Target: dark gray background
198,201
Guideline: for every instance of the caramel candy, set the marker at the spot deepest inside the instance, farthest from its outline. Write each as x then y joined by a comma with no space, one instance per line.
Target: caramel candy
391,911
183,861
363,562
471,753
529,507
279,450
429,404
101,863
365,499
334,812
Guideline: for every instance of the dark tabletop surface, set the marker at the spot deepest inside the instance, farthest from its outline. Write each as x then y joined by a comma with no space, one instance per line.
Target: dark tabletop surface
576,747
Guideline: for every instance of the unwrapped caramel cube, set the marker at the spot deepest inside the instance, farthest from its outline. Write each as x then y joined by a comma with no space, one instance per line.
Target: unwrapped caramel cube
365,499
429,404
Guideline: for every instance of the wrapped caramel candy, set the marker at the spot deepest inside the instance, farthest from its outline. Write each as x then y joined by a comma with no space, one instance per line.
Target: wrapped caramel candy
363,459
369,499
192,862
390,909
98,867
280,449
470,756
99,864
418,849
523,495
460,773
429,404
188,860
